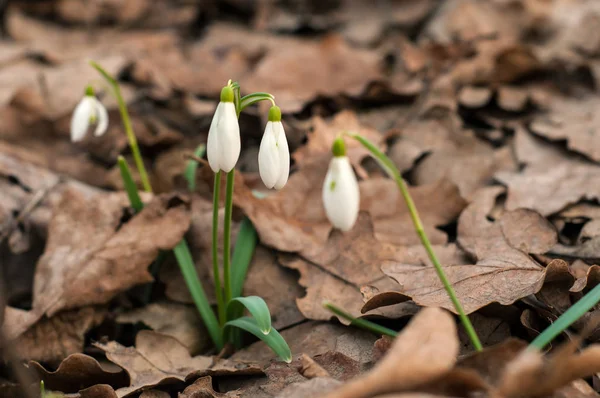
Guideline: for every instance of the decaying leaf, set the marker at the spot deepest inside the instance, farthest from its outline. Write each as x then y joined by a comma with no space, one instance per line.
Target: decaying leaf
160,359
426,349
503,273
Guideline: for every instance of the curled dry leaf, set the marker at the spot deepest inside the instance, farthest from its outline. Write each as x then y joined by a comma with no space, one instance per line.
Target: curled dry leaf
104,257
178,320
423,351
553,179
203,388
158,359
310,369
77,372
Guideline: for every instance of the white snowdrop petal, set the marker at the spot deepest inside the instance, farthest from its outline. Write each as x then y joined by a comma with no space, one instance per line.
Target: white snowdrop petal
80,121
284,156
341,195
102,118
213,153
229,137
268,157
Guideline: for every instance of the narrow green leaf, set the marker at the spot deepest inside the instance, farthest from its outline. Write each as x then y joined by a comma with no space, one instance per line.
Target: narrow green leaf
386,163
130,187
361,323
188,270
253,98
256,306
274,340
576,311
192,166
243,251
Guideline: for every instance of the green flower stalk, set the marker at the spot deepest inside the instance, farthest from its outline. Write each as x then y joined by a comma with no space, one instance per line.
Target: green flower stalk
390,168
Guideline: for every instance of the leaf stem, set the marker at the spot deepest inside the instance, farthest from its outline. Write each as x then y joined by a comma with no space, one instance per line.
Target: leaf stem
394,173
188,270
215,249
227,236
135,150
361,323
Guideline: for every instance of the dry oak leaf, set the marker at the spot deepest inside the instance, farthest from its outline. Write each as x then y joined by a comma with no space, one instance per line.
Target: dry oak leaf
502,273
533,374
77,372
326,68
159,359
552,180
50,340
573,120
426,349
91,256
203,388
178,320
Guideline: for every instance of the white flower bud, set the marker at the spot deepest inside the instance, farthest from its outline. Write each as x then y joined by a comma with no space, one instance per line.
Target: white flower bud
341,196
88,111
223,145
274,154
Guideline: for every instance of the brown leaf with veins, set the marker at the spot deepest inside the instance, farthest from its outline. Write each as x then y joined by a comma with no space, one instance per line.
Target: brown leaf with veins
90,257
424,350
328,68
573,120
158,359
178,320
502,273
552,180
53,339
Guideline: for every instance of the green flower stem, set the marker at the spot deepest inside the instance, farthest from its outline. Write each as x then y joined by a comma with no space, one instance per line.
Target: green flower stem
394,173
188,270
215,250
227,236
578,310
135,150
361,323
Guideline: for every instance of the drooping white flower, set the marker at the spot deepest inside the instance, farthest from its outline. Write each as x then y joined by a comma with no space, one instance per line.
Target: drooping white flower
274,154
341,196
88,111
223,145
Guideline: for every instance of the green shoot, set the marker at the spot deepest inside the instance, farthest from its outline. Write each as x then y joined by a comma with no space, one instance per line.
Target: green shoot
256,306
274,340
578,310
135,150
130,187
243,251
192,166
390,168
361,323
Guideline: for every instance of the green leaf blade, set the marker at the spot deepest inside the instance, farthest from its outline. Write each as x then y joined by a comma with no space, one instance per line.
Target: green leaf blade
130,187
274,340
256,306
243,252
192,167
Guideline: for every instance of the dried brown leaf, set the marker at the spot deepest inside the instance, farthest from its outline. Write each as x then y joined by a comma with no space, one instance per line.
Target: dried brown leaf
502,273
77,372
76,271
424,350
310,369
159,359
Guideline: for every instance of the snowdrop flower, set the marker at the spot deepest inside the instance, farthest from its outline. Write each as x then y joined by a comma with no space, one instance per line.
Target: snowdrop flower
341,196
274,154
223,144
88,111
